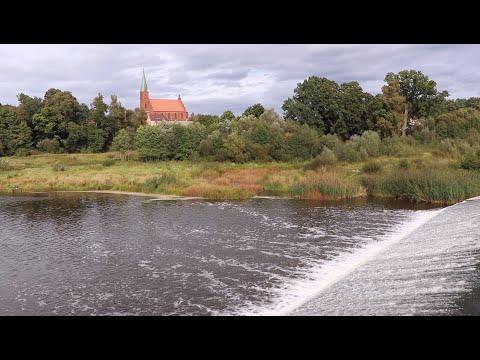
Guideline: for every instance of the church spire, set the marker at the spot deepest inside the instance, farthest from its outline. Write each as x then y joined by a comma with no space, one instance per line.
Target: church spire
143,87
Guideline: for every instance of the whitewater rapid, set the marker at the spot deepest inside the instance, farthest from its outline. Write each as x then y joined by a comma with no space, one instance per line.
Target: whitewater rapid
424,269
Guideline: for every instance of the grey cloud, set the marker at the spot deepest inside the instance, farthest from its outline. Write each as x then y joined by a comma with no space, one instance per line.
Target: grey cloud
214,78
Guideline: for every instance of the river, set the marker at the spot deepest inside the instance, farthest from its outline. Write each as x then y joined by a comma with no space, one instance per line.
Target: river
102,254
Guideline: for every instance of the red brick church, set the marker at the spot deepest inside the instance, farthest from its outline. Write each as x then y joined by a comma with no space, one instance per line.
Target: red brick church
161,109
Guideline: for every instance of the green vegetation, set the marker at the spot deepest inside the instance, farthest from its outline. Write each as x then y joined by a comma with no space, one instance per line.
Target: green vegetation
335,142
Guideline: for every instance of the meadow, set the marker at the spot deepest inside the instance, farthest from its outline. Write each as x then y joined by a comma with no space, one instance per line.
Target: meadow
422,175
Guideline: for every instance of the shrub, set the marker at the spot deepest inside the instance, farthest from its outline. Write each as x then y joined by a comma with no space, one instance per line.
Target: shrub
109,162
371,167
404,164
51,146
326,158
328,141
155,142
159,183
5,165
447,146
22,152
370,141
470,162
58,166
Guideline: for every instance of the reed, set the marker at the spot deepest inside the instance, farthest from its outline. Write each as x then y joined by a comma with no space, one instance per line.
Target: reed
434,186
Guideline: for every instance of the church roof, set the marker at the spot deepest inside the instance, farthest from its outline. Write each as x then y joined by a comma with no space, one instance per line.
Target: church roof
143,86
167,105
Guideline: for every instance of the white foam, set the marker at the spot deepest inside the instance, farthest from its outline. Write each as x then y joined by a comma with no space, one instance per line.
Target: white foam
322,274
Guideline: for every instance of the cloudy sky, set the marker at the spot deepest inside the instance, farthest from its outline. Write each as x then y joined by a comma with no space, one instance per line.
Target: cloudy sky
215,78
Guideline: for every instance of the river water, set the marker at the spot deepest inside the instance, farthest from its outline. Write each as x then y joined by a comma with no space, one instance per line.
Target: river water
101,254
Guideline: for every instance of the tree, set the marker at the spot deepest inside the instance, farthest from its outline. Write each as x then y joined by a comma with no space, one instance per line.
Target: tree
98,111
227,115
116,119
155,142
316,102
255,110
420,93
353,105
59,109
14,131
84,137
123,142
383,116
182,144
136,118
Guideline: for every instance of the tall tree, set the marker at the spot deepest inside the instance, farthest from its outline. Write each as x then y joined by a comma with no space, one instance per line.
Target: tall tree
14,131
420,93
316,102
353,102
255,110
136,118
116,119
98,111
59,109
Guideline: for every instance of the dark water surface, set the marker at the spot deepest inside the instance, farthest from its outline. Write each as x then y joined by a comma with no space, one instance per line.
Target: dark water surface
100,254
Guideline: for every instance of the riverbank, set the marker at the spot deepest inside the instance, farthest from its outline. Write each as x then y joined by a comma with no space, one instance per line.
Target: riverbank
422,179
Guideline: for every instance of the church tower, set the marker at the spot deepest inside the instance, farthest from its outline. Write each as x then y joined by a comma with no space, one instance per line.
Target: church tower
144,100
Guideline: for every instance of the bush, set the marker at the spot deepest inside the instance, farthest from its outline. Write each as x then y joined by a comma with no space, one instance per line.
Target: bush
155,142
326,158
404,164
58,166
22,152
109,162
5,165
370,141
470,162
51,146
159,183
371,167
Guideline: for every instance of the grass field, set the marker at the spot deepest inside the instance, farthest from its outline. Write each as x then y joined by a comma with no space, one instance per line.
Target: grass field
420,177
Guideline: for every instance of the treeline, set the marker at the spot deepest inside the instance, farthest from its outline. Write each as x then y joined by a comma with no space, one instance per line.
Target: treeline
336,122
322,118
59,123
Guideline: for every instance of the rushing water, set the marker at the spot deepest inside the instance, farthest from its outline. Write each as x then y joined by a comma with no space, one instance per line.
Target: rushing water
98,254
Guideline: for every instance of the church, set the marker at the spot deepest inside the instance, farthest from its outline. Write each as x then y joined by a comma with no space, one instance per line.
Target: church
159,110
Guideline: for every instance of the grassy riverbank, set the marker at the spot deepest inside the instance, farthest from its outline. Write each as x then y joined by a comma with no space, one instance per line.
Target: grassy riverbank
422,177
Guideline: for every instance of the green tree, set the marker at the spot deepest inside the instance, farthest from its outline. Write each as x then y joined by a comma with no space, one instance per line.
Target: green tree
304,143
255,110
353,105
227,115
124,142
84,138
136,118
316,102
59,109
382,116
420,93
155,142
15,133
98,112
182,143
235,148
116,119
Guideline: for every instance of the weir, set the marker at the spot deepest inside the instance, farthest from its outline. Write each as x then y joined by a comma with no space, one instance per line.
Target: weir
431,271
